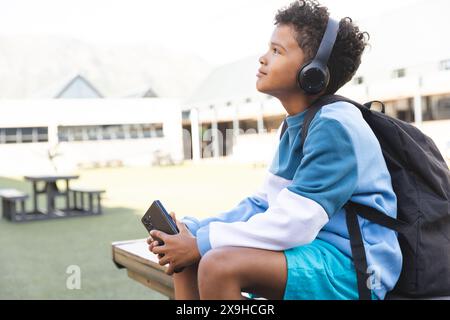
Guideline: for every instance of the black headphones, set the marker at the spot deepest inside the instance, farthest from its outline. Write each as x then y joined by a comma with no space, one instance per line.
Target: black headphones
314,76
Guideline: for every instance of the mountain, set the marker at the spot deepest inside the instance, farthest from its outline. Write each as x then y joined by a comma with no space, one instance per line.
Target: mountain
30,65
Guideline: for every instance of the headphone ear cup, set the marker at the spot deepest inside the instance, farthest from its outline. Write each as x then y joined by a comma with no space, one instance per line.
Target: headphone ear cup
300,77
313,78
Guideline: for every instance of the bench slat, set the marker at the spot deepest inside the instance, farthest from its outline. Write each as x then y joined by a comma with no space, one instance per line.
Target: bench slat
13,194
87,190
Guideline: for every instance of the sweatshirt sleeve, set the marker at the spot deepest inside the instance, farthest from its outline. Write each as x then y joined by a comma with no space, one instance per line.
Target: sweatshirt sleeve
322,184
248,207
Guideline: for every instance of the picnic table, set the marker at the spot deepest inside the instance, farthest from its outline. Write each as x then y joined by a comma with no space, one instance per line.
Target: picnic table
13,201
51,191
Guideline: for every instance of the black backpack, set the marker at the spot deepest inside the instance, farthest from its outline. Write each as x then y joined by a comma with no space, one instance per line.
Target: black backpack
421,182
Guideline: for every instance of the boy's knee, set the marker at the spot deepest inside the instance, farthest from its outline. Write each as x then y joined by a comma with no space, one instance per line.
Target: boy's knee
216,263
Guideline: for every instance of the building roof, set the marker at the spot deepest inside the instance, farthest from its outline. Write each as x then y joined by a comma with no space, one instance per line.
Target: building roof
145,91
236,80
73,87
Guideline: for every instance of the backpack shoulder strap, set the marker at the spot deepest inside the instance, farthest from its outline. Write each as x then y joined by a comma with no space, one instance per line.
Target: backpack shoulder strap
310,114
312,111
283,128
358,254
378,217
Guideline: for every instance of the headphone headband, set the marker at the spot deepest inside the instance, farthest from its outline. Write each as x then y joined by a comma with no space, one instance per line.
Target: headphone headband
328,40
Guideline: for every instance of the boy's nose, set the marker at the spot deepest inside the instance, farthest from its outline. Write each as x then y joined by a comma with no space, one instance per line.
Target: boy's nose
262,60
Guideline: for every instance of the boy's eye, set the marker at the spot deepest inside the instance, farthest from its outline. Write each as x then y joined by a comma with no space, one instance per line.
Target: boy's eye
275,51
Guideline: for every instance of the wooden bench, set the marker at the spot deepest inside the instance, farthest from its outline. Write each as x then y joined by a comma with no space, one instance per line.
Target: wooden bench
13,203
142,265
78,196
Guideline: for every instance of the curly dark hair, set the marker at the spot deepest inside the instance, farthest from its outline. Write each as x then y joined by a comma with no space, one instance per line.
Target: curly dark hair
309,19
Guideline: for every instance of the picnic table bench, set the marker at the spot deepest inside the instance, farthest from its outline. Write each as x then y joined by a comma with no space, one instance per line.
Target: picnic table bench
78,195
13,203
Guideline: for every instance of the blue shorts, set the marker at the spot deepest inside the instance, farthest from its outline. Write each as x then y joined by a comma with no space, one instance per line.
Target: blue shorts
319,271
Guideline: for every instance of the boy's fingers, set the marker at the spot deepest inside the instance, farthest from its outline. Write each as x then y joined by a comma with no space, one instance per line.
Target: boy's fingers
149,240
158,234
181,226
158,249
170,269
163,261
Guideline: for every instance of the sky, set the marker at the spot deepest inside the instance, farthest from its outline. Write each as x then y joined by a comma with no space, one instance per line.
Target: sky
217,31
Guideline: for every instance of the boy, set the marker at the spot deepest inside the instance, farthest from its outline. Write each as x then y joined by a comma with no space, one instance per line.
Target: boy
289,240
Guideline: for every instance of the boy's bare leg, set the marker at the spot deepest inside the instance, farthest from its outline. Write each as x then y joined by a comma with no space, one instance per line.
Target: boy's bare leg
186,284
225,272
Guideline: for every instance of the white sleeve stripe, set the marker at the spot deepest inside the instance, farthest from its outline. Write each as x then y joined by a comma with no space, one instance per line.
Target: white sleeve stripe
273,185
260,195
293,220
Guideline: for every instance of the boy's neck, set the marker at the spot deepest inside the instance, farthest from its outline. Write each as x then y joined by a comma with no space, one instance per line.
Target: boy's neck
296,103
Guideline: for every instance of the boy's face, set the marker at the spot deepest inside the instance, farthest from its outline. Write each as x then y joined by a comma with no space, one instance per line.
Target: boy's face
279,66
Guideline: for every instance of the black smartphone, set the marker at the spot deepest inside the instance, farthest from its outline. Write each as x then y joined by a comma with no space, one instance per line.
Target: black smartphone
157,218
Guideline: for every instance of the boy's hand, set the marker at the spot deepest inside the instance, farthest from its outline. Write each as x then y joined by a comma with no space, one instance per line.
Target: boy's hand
178,250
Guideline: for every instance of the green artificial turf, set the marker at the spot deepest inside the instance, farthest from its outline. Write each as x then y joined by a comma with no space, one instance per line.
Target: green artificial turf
34,256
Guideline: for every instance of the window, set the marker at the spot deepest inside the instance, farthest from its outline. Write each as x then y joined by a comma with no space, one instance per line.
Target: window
186,115
152,131
92,132
146,130
159,131
78,133
108,132
135,131
443,108
23,135
399,73
42,134
119,131
11,135
63,134
273,123
26,135
249,126
445,65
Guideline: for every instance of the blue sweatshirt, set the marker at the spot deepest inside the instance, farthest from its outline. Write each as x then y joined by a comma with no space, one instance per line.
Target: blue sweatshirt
303,195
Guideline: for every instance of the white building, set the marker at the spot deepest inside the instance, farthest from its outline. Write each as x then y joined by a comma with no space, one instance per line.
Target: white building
39,135
407,67
228,100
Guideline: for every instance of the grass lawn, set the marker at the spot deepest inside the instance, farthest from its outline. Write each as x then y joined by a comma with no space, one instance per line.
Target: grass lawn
34,256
